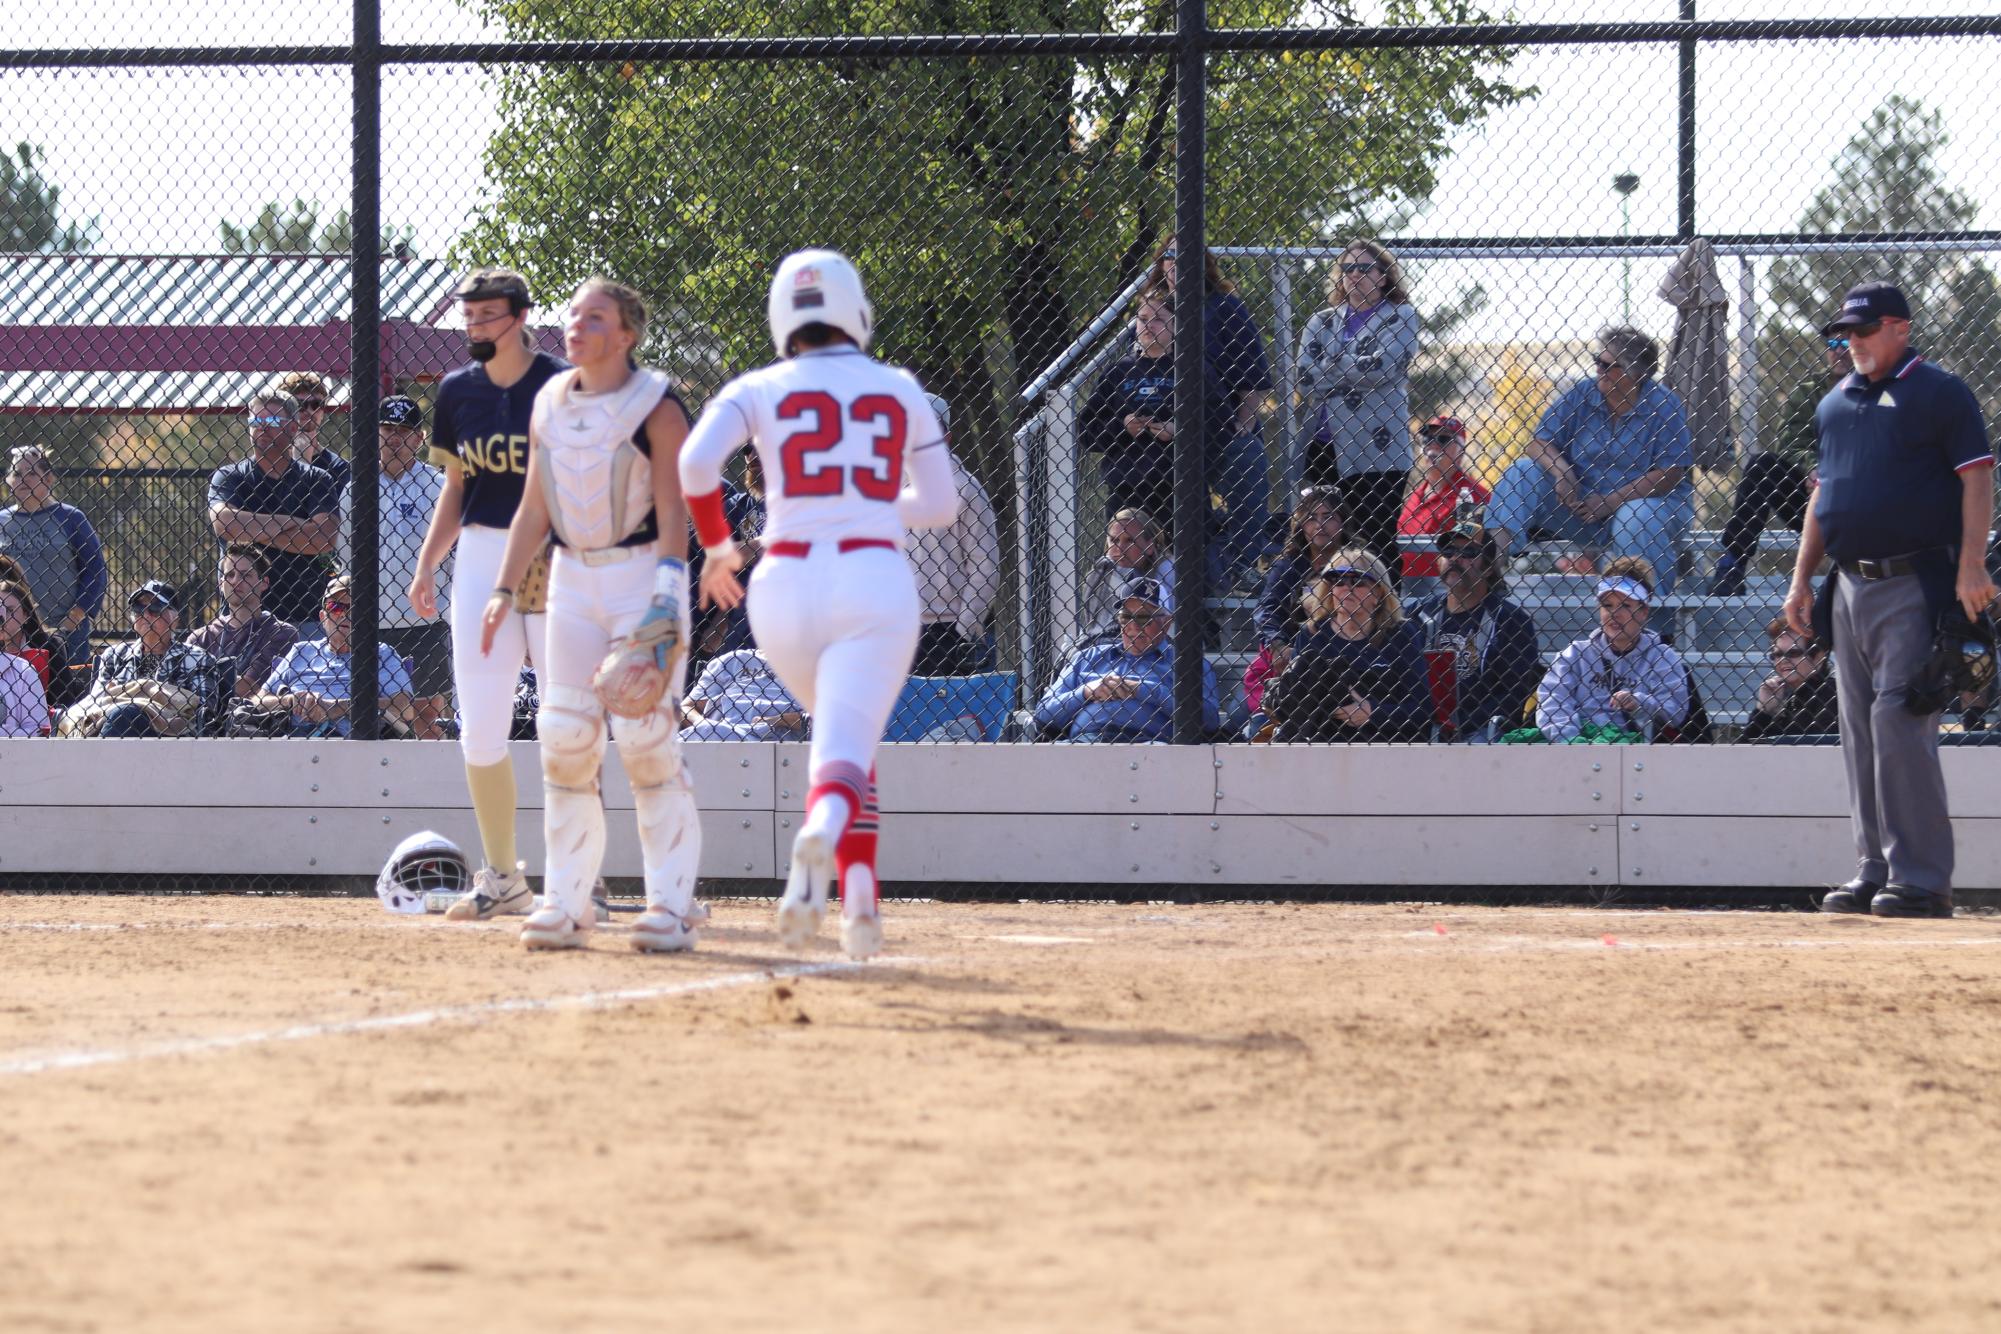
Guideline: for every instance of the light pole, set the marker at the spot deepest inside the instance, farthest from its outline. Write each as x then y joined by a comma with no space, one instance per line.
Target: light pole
1625,183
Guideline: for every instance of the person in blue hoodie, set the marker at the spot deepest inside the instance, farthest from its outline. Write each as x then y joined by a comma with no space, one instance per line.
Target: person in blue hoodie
1357,669
1123,691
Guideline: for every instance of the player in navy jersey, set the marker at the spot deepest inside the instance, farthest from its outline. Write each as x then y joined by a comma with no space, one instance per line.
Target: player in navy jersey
479,437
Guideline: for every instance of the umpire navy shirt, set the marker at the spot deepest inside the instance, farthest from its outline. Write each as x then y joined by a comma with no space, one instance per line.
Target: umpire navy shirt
481,430
1891,451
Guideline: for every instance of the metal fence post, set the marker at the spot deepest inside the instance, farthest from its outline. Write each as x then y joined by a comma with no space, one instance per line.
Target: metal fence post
364,392
1191,479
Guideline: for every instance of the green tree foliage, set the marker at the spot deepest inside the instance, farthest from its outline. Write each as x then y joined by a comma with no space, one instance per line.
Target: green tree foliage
1889,178
994,205
297,230
29,218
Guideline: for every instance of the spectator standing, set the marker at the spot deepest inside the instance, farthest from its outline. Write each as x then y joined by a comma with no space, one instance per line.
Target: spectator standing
1440,494
1472,631
309,391
1124,690
1135,548
1128,421
1239,373
1777,482
1357,673
1903,504
149,685
739,698
407,493
1608,466
1799,697
1354,374
1622,675
958,574
23,635
251,638
58,550
313,681
288,508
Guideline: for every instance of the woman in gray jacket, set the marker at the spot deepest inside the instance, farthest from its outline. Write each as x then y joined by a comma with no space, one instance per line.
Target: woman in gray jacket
1354,379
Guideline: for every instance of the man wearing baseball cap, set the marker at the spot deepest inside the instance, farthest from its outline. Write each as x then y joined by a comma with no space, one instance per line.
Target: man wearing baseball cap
150,685
1124,690
1903,504
407,491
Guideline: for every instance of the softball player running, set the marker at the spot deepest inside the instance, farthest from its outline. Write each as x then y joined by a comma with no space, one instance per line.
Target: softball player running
833,603
619,579
479,437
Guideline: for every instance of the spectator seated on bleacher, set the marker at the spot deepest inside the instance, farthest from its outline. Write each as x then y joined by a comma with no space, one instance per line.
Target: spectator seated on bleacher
1441,495
1356,672
149,685
1124,690
1315,534
1135,548
1622,677
1798,698
313,682
1482,655
22,634
24,702
1608,466
739,698
245,633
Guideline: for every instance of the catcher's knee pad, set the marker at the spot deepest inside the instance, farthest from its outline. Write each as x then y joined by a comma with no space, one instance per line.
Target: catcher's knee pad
571,728
649,748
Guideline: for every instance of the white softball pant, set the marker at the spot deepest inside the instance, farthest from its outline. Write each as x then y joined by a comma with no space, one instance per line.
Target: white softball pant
485,682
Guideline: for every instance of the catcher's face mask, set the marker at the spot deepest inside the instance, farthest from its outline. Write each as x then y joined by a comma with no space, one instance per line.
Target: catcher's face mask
1961,663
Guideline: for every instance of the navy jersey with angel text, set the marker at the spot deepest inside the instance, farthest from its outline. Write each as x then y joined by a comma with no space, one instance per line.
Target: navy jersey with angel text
481,430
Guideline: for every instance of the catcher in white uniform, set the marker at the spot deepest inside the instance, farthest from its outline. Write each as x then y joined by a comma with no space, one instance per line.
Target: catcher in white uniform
617,620
853,455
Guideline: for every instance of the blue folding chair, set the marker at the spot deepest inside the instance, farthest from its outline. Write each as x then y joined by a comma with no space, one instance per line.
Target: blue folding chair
953,708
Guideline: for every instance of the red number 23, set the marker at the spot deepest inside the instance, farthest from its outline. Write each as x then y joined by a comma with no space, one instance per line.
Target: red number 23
803,476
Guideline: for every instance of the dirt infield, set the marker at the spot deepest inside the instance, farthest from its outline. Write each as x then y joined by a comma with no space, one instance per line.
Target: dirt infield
244,1114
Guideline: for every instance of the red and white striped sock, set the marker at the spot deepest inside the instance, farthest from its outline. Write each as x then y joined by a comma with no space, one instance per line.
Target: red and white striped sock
854,856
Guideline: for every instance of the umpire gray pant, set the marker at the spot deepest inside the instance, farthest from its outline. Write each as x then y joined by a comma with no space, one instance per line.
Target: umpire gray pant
1896,789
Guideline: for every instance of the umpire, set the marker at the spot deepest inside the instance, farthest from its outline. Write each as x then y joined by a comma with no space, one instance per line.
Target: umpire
1905,496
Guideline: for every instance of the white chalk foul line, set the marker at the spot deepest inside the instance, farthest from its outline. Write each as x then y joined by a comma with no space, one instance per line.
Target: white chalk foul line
448,1014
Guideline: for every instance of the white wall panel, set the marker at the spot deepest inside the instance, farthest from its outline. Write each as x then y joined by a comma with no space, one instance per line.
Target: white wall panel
1410,780
1811,852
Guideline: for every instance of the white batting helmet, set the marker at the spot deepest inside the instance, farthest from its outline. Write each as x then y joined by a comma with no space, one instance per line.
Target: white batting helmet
422,864
819,287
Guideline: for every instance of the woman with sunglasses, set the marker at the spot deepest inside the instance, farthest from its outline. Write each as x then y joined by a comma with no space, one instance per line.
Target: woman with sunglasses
1357,669
1778,481
1799,697
1354,377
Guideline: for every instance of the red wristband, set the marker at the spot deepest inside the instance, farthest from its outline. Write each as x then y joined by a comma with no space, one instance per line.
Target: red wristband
712,526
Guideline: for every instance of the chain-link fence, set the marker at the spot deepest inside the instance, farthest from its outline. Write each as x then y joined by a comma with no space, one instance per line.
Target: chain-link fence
1507,329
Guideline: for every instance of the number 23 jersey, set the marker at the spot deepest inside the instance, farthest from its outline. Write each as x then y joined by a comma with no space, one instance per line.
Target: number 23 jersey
836,430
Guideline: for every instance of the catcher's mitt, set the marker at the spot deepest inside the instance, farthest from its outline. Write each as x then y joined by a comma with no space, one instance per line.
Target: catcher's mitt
636,673
531,595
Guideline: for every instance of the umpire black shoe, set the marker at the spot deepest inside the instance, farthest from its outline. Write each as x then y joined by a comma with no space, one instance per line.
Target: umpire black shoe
1855,896
1905,901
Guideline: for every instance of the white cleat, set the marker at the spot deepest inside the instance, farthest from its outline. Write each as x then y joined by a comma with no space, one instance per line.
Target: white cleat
493,894
659,931
861,936
698,913
553,929
803,905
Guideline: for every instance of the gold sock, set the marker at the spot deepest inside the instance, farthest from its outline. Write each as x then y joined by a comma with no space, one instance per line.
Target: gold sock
492,788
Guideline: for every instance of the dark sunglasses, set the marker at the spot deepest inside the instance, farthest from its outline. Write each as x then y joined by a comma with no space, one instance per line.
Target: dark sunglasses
1866,330
1463,551
1369,267
1839,344
1781,654
312,405
335,605
1350,580
151,609
1606,364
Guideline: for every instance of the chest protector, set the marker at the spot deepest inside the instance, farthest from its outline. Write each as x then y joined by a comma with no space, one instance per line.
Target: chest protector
598,485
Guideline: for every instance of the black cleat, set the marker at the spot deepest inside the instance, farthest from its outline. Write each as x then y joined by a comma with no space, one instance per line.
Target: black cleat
1906,901
1851,897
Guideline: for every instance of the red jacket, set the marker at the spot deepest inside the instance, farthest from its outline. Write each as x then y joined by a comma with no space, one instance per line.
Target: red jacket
1428,513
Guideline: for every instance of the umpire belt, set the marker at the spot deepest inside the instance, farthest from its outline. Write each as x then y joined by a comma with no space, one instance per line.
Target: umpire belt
1891,567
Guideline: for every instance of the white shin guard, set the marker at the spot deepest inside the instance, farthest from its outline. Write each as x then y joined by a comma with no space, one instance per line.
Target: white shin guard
571,727
670,828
